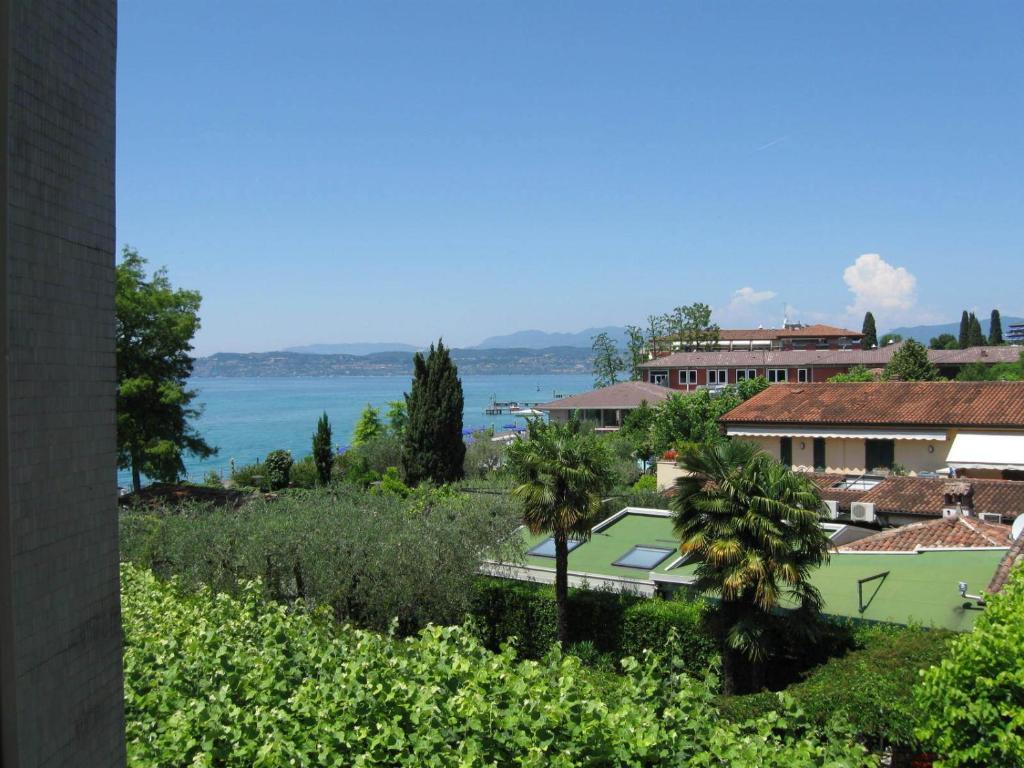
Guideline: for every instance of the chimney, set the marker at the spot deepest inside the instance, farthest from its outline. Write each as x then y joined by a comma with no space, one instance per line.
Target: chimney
958,499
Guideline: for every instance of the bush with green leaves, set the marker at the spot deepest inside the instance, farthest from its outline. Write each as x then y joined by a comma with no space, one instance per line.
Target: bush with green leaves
483,458
869,688
370,557
972,703
248,475
278,466
304,473
229,681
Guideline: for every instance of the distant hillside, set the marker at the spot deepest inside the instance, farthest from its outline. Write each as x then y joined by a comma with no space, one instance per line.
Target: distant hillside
353,348
469,361
534,339
925,333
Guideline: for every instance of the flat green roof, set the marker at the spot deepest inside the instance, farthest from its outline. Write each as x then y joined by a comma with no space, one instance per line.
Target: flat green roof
919,588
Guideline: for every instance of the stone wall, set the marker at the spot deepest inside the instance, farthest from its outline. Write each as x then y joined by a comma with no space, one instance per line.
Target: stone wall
60,648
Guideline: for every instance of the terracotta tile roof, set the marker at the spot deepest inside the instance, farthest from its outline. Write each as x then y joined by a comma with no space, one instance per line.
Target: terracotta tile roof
1012,559
907,403
926,496
946,533
819,330
871,358
625,394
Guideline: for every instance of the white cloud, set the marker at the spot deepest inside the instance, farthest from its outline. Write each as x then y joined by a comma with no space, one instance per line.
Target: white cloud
746,297
879,286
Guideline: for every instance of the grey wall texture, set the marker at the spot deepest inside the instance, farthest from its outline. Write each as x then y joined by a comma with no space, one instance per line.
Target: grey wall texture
60,633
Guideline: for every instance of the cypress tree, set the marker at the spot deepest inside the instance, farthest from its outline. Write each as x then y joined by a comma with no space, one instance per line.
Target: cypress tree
432,448
322,456
995,329
965,330
975,338
870,337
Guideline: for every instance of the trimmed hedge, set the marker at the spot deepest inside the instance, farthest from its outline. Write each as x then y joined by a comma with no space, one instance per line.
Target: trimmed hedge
612,623
870,689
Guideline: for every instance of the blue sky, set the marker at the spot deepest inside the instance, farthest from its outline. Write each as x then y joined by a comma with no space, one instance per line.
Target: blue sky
383,171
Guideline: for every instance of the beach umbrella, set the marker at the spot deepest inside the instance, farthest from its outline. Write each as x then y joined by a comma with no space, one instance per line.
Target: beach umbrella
528,412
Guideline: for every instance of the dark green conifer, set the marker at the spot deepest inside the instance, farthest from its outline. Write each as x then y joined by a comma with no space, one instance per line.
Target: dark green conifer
432,448
965,330
870,337
910,363
995,329
975,338
322,456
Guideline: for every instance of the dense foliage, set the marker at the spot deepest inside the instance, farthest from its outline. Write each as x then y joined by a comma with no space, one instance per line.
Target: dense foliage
368,426
432,447
972,703
910,363
857,373
608,363
155,324
693,418
232,681
278,466
870,689
369,557
751,527
995,329
998,372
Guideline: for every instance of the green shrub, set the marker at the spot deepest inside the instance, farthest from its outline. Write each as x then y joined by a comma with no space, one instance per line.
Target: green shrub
392,483
219,681
248,475
646,484
674,627
869,689
278,466
972,703
504,609
371,557
213,479
483,457
304,473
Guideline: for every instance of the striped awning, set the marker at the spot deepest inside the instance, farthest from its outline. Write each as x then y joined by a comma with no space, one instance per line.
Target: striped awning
838,433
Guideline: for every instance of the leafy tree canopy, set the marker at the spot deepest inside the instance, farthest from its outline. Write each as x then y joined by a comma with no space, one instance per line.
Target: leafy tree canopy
155,325
944,341
368,427
608,362
857,373
910,363
693,418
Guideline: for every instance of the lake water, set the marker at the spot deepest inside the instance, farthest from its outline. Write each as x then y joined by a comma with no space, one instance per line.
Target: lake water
246,418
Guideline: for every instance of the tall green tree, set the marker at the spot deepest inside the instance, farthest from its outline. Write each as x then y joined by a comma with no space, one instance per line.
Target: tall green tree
323,456
155,325
692,328
751,527
636,349
656,333
398,417
870,338
607,360
944,341
995,329
562,471
368,427
432,447
975,337
965,330
637,431
910,363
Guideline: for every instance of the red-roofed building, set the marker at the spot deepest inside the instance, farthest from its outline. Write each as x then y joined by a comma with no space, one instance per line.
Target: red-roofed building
958,532
607,406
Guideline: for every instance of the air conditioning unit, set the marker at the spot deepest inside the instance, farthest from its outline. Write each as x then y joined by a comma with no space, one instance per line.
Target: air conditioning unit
990,517
862,512
833,509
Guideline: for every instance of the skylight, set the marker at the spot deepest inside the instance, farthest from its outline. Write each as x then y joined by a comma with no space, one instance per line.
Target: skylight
547,547
862,483
645,558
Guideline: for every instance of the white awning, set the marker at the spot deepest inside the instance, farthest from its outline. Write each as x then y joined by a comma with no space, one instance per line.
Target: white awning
842,434
987,450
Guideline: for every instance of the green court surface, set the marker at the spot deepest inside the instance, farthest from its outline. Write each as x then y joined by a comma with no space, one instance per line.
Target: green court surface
919,588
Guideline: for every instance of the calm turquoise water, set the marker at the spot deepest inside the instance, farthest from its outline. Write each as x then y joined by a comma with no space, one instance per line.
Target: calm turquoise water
247,418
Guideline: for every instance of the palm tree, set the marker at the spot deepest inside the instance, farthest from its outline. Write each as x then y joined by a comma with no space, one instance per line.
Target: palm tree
563,471
751,525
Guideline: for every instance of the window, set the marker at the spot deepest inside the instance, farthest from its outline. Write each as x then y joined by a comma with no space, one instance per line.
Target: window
547,547
819,454
644,558
719,376
742,374
801,375
786,451
776,375
879,454
659,377
688,378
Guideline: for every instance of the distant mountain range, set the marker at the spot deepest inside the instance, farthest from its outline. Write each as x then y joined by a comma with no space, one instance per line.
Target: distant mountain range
925,333
534,339
470,361
353,348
